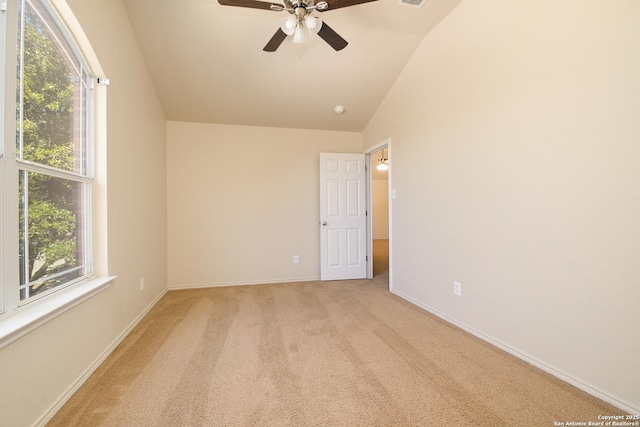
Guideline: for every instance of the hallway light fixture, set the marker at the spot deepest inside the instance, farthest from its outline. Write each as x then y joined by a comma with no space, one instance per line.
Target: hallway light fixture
383,163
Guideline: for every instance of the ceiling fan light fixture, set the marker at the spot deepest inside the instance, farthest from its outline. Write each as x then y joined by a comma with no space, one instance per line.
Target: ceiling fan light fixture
299,23
288,25
310,22
300,34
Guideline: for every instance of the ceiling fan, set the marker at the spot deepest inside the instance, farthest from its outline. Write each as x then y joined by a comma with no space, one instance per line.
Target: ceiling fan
300,22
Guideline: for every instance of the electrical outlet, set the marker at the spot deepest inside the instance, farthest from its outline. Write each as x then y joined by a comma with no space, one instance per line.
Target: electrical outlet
457,289
141,283
296,259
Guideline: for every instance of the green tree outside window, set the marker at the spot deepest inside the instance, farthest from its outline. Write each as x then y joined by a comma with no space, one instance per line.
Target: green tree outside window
49,205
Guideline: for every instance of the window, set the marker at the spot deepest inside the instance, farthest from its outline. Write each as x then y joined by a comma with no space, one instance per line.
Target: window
47,167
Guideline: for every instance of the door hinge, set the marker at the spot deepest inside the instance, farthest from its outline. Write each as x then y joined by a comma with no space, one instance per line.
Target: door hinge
366,258
366,213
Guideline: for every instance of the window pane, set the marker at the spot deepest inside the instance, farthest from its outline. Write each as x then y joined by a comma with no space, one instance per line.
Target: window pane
52,92
52,232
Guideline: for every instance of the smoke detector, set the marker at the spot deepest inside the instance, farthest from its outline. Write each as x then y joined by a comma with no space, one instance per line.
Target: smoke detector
412,3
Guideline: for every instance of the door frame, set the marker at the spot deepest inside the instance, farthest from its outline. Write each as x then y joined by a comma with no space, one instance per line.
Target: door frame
369,194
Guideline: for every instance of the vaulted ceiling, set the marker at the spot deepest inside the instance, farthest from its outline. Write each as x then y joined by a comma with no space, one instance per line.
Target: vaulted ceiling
207,63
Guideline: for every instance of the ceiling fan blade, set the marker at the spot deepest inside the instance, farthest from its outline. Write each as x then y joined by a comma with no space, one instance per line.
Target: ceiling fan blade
337,4
255,4
275,41
335,41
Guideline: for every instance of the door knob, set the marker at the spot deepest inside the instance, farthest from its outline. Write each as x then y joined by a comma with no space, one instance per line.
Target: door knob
324,223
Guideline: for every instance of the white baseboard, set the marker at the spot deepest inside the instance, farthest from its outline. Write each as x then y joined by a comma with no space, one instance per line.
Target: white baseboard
55,407
594,391
223,284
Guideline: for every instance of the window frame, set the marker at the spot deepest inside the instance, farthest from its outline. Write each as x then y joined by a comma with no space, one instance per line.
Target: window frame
3,44
20,317
59,35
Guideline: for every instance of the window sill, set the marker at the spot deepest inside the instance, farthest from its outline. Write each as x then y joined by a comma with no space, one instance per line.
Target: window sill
32,317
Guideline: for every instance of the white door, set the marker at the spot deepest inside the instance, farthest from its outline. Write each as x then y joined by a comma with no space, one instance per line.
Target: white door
343,248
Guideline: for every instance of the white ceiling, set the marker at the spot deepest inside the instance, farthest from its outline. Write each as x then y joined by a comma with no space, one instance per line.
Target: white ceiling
207,63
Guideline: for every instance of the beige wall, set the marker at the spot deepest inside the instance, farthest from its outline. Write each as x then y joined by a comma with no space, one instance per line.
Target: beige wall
39,368
380,199
242,201
516,153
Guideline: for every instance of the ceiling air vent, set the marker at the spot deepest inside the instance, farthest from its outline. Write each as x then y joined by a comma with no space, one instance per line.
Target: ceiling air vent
412,3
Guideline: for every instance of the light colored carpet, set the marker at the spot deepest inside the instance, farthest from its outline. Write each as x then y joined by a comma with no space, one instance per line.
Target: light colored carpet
381,260
345,353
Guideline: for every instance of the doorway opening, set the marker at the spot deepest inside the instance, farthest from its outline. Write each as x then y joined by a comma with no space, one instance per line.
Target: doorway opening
379,213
